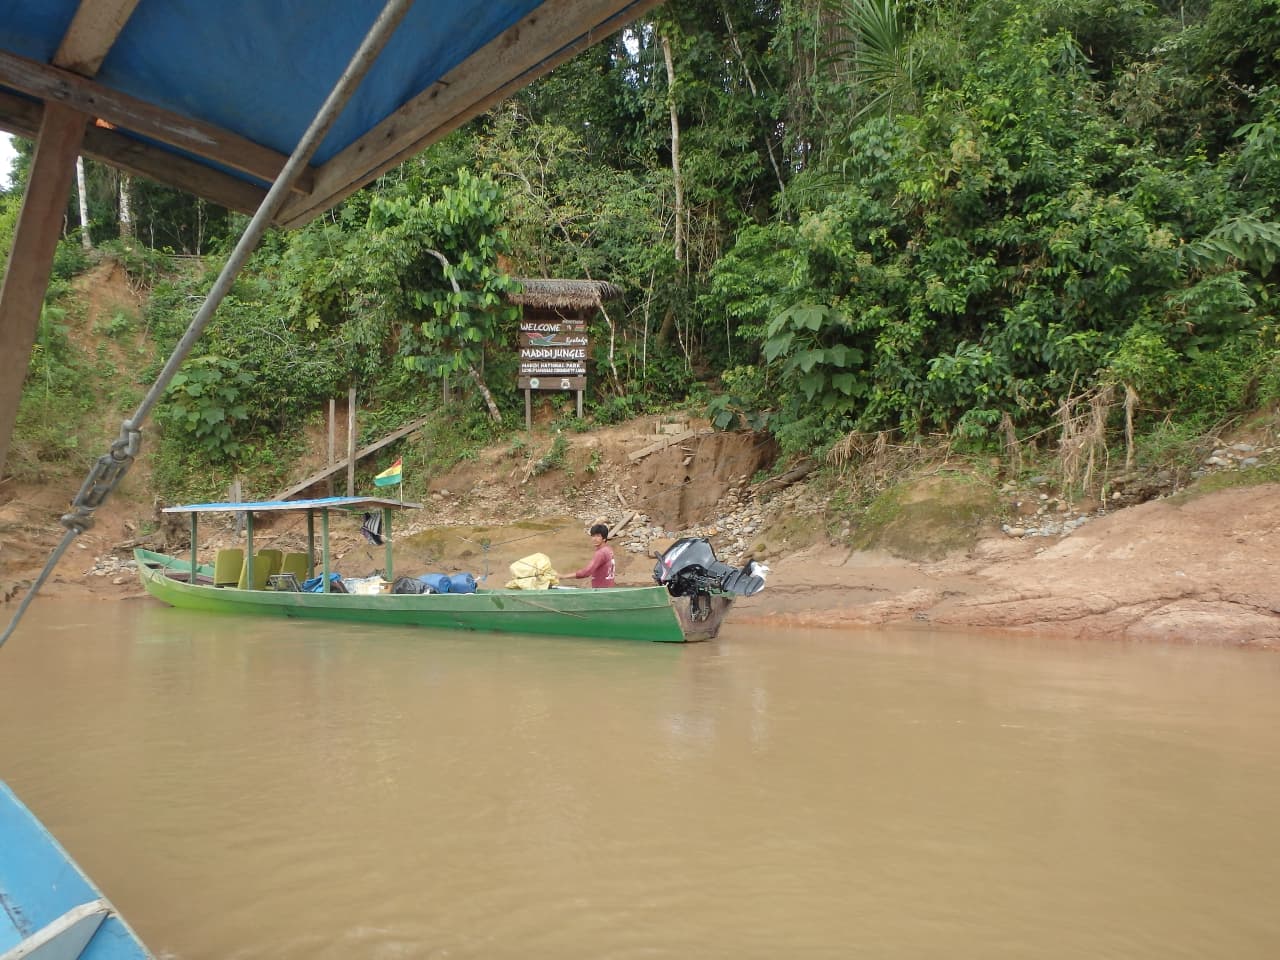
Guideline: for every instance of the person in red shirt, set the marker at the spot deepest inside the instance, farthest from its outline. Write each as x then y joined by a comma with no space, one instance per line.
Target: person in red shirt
600,569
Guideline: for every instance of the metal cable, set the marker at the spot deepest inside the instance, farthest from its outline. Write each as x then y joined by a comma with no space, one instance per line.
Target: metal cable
110,468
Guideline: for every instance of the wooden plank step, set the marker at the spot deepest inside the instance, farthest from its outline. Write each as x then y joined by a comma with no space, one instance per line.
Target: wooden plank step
666,441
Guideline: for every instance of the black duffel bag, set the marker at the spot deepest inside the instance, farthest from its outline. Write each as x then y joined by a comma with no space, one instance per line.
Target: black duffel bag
410,585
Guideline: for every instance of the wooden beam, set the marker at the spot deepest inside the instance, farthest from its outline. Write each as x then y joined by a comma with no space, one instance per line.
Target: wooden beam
52,85
524,52
91,35
154,163
662,444
339,465
31,259
22,117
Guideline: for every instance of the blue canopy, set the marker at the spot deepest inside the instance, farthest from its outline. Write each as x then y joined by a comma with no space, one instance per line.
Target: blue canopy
294,506
211,97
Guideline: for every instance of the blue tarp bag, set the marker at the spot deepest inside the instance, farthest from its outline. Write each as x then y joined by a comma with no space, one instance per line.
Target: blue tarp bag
462,583
315,584
438,582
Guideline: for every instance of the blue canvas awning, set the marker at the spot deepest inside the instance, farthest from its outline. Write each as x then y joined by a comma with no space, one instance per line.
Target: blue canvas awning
211,97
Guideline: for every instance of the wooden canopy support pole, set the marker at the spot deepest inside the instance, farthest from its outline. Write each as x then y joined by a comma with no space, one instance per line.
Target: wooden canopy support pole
248,549
31,260
386,526
324,549
195,521
311,544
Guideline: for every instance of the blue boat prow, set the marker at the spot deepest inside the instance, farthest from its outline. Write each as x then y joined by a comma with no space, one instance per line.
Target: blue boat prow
49,909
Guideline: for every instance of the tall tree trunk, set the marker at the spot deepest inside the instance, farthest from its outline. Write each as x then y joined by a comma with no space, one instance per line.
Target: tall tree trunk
126,207
755,94
675,148
494,413
613,368
85,240
669,320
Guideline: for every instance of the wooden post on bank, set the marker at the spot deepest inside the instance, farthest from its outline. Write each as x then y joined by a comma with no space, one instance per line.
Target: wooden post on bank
333,416
236,494
351,442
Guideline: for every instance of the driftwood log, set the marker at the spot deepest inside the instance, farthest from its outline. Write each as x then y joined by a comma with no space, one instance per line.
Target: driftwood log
614,531
784,480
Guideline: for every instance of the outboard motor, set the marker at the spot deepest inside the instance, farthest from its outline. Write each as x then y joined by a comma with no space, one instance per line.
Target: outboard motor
689,568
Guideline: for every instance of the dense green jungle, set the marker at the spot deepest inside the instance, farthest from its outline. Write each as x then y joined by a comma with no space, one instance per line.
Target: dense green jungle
1035,228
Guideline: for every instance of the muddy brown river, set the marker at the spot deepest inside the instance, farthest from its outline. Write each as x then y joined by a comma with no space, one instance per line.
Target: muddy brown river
252,789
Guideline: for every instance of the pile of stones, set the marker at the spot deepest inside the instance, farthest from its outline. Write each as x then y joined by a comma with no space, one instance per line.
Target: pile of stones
738,520
119,569
1238,456
1040,514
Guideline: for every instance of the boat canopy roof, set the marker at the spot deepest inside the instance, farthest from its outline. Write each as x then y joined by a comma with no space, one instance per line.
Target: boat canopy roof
296,506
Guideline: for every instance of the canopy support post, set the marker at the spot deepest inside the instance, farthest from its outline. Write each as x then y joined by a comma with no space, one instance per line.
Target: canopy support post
194,521
386,528
324,548
248,549
311,544
26,278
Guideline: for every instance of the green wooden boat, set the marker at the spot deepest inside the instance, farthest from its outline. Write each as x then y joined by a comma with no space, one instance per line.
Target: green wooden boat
623,613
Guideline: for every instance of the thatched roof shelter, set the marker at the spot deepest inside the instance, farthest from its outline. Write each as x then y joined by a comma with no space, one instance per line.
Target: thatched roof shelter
564,294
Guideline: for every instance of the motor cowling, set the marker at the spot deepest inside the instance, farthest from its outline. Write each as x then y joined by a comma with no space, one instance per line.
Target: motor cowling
689,567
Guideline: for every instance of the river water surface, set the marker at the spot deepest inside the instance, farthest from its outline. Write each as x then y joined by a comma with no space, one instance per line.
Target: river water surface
254,789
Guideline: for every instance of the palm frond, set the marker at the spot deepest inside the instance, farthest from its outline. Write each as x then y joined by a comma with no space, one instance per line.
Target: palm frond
875,47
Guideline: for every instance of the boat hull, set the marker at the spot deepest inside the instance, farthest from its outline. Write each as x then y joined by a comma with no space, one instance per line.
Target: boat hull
175,565
48,906
618,613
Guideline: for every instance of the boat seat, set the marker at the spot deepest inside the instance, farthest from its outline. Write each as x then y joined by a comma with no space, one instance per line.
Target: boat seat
227,567
272,558
297,564
266,563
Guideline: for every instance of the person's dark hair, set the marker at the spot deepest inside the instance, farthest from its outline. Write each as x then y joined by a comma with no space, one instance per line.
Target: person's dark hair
599,528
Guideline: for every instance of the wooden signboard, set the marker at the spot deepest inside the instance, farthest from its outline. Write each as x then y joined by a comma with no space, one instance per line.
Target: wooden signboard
551,350
552,383
553,356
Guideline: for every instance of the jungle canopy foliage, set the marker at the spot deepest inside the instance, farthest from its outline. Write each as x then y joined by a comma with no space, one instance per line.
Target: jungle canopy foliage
852,215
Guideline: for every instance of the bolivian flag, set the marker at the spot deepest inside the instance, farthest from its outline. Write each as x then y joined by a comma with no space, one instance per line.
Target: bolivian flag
390,476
